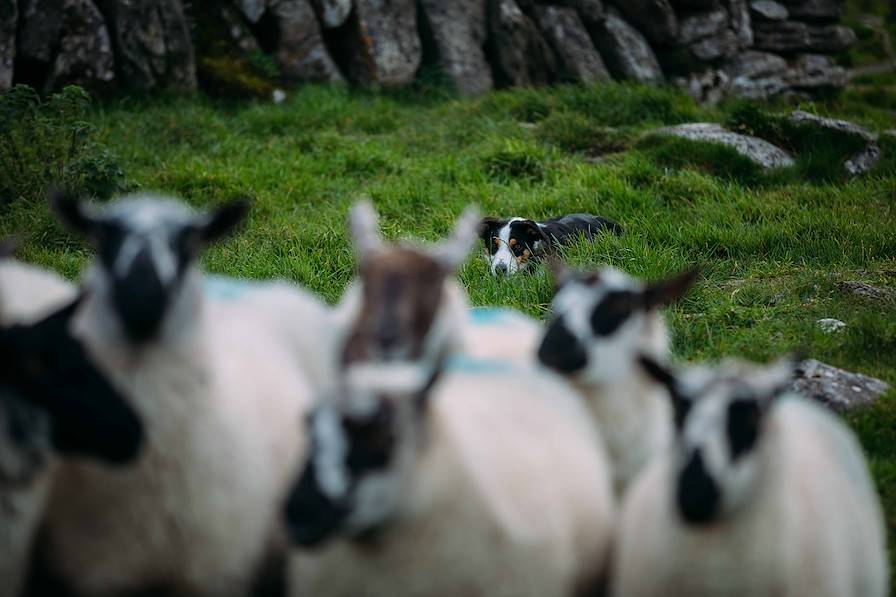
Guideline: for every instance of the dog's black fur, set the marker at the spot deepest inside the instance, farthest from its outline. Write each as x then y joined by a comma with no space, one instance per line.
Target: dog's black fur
533,240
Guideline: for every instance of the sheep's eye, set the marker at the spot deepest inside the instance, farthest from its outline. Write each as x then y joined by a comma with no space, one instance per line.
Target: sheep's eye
611,312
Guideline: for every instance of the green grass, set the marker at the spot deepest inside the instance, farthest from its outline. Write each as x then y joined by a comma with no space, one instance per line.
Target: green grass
773,248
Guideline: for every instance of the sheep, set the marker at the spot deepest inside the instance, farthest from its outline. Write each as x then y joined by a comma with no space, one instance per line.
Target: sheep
422,296
764,494
219,381
52,401
423,475
426,481
602,321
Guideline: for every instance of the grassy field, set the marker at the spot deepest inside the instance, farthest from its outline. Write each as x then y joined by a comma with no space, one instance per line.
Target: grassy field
773,248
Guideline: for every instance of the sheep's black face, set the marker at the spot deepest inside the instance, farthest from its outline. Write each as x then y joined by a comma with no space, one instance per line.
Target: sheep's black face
363,450
720,415
43,365
601,323
144,246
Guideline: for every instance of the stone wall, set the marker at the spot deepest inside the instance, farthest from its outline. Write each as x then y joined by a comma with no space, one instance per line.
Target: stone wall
709,47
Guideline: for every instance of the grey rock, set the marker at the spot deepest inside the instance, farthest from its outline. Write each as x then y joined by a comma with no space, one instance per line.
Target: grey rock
753,63
795,36
769,10
590,11
564,31
332,13
252,9
681,6
656,19
837,389
708,88
626,51
864,290
84,56
458,30
8,18
843,126
811,72
520,54
815,10
301,52
741,23
830,325
863,161
724,45
240,34
700,25
759,150
152,43
383,46
39,29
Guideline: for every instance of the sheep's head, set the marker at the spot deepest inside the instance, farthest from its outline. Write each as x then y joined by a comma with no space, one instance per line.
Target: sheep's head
144,246
402,315
603,320
720,415
51,390
363,446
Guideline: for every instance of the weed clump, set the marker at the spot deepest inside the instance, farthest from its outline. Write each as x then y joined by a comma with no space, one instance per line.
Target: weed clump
516,160
52,143
574,132
820,152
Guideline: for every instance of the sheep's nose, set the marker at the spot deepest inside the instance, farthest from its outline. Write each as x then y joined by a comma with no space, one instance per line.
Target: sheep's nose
388,338
501,268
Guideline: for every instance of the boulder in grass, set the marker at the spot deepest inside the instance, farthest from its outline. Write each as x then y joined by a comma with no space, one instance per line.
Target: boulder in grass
862,161
839,390
868,291
758,150
458,29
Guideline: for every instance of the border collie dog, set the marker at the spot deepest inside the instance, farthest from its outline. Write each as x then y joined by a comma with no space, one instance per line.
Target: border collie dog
513,243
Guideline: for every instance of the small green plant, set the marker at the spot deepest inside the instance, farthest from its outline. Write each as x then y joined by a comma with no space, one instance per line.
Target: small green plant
575,132
515,160
51,143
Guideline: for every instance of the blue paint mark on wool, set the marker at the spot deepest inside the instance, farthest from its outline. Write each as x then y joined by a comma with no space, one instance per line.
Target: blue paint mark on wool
461,363
490,315
228,289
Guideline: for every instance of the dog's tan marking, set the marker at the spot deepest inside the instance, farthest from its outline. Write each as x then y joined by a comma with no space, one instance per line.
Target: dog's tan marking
512,242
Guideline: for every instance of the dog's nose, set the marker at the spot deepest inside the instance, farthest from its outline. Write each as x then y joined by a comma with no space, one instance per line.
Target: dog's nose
501,268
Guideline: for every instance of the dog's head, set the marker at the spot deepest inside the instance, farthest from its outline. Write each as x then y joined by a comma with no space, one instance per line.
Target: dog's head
512,244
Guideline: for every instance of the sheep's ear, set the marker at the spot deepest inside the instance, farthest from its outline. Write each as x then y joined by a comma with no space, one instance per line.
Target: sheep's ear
453,251
363,224
223,221
778,376
681,404
72,211
665,292
8,247
560,272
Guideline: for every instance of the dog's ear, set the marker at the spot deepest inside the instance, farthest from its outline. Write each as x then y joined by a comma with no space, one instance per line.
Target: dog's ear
488,226
534,233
